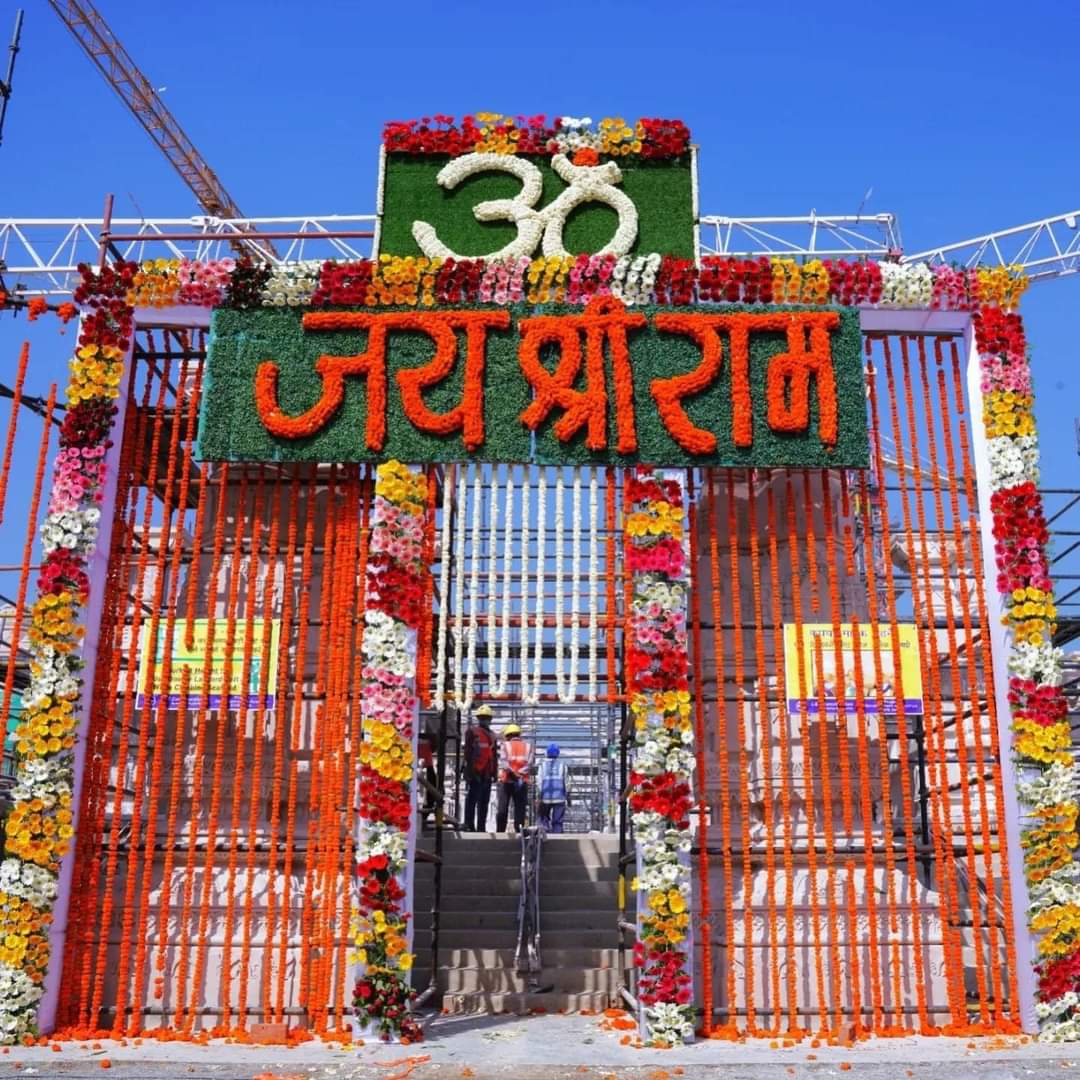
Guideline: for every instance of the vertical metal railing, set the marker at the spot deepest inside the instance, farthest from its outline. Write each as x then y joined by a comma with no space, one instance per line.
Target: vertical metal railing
527,954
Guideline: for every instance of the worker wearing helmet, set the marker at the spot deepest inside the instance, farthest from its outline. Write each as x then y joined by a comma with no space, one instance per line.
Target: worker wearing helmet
554,790
481,766
513,778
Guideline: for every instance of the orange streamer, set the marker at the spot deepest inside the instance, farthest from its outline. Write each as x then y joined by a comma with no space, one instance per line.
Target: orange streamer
699,750
13,421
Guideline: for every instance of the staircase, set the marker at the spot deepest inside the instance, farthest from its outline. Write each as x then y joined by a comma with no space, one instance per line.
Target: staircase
480,889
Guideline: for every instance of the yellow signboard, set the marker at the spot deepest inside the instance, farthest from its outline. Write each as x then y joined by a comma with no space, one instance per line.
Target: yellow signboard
193,660
843,683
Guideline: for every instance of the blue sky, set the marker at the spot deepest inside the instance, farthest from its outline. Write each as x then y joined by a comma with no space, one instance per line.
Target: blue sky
957,115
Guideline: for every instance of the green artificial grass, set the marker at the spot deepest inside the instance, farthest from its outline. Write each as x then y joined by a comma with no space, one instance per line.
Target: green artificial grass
661,191
230,428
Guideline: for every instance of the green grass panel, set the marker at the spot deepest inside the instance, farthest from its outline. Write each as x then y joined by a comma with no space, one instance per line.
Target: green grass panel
661,191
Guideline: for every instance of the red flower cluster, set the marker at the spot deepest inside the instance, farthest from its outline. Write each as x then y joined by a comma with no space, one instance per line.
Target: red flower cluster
458,281
662,978
107,319
1046,705
665,795
852,283
111,283
382,998
88,424
665,557
1001,334
396,589
62,571
1020,536
379,889
1057,977
644,486
675,281
344,284
748,280
383,800
663,668
664,138
431,135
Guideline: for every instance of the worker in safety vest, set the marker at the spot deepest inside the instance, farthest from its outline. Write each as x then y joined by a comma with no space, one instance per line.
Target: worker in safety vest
554,783
513,778
481,766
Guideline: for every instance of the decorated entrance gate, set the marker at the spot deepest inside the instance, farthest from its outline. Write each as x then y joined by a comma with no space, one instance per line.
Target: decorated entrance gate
746,503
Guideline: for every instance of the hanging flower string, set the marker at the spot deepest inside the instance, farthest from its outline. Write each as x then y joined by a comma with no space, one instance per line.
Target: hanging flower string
658,683
394,596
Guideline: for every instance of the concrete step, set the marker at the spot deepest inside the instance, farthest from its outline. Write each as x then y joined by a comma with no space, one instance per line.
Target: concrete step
523,1004
554,899
482,921
482,879
478,956
508,981
460,938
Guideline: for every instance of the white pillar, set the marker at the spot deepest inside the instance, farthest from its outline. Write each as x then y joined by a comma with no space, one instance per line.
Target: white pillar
1000,638
97,572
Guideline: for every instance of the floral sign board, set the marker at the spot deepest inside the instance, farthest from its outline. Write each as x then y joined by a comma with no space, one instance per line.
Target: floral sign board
671,386
516,187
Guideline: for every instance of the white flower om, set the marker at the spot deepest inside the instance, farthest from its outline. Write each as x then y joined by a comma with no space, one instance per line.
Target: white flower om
587,183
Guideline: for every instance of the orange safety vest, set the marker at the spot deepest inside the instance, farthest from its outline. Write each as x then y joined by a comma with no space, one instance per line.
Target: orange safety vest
517,759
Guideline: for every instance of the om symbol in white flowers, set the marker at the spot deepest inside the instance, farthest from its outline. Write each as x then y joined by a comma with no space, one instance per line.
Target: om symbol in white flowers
587,183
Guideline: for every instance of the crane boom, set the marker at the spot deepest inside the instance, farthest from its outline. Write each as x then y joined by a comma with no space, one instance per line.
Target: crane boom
122,73
1043,249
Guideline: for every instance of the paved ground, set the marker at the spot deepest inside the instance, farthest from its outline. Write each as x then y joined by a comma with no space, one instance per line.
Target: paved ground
552,1048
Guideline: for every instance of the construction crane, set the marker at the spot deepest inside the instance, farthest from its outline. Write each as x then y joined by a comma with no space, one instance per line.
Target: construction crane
5,83
121,72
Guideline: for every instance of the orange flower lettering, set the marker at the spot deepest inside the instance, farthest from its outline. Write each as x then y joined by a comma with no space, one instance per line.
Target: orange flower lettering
604,317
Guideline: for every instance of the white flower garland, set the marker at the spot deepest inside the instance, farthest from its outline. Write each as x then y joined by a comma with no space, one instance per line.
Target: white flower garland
560,538
541,553
439,700
523,626
1013,460
474,587
499,676
575,576
906,285
633,279
291,284
459,585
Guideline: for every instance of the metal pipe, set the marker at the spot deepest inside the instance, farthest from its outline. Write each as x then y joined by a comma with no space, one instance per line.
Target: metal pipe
134,238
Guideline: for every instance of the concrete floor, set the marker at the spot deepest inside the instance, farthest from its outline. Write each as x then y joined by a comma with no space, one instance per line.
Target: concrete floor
555,1047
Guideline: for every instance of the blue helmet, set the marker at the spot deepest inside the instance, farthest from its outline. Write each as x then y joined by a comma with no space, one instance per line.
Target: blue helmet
553,750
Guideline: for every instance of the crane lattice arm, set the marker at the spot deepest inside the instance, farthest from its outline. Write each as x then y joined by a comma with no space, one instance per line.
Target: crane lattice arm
1043,249
123,75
